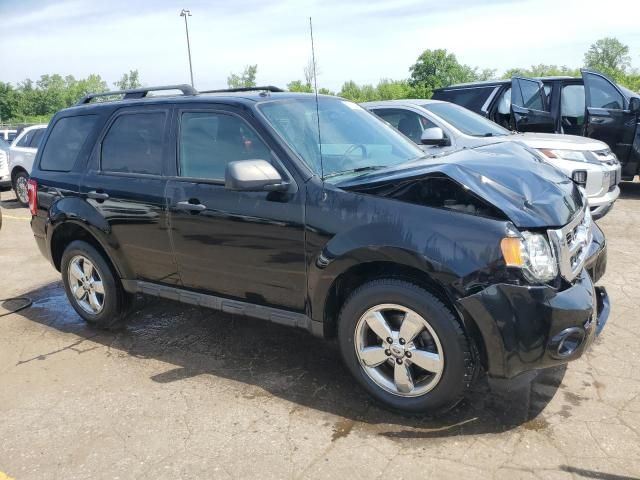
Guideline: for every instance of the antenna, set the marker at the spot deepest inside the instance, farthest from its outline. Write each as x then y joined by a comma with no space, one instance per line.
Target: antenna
315,88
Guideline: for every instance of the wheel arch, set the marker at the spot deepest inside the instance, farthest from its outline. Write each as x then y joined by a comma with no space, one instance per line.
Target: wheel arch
358,274
15,171
70,231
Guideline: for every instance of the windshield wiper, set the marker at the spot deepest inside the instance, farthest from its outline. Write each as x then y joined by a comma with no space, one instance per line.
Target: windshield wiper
355,170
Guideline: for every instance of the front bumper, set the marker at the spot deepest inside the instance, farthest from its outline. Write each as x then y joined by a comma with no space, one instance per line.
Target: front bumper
526,328
601,205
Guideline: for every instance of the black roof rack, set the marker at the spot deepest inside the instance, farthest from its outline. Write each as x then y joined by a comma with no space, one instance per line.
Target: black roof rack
268,88
138,92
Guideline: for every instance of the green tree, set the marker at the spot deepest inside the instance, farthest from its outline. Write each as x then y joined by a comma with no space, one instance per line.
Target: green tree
388,89
438,68
299,86
128,81
8,101
246,79
542,70
609,56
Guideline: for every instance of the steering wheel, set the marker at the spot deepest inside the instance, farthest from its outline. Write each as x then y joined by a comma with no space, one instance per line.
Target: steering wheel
351,149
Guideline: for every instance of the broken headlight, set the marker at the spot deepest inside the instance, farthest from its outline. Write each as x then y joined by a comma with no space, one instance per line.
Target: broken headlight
532,253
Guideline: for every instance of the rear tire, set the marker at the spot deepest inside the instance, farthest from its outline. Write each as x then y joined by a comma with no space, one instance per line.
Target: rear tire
428,366
20,188
92,287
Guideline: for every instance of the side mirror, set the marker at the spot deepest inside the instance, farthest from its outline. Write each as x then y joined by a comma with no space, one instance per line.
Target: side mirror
634,104
253,176
433,136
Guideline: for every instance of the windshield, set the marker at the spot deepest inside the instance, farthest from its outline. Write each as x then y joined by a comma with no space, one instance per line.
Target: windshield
353,140
465,120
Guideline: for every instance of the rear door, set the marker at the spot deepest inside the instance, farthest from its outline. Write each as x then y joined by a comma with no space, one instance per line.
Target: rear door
529,106
125,184
607,115
237,244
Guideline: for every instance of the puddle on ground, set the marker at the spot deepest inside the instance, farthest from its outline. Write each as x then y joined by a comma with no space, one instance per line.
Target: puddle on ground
342,428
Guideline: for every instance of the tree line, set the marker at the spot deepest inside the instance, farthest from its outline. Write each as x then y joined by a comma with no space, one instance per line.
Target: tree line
36,101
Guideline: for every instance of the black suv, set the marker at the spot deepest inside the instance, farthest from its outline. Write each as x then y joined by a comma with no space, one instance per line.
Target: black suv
593,106
311,212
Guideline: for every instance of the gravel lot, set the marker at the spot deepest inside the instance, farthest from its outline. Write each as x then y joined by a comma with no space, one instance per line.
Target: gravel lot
190,393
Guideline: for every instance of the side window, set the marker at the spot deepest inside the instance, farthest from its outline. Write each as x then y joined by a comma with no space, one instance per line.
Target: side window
210,140
604,95
67,137
529,95
502,113
37,136
407,122
471,98
572,107
134,144
26,139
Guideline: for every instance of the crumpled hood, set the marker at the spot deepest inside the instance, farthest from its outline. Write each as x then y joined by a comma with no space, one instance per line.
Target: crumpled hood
531,193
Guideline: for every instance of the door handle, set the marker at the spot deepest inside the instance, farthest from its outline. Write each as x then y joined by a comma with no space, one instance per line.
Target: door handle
597,120
191,207
97,195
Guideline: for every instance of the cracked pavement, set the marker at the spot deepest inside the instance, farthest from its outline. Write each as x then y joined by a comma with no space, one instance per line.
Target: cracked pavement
184,392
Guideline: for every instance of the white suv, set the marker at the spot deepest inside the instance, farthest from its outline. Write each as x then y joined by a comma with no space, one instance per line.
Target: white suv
21,155
440,126
5,178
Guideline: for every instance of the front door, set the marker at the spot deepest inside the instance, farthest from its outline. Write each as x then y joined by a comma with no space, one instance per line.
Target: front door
608,118
529,106
243,245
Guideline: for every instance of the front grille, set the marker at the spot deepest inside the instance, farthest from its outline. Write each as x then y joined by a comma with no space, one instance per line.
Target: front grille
571,244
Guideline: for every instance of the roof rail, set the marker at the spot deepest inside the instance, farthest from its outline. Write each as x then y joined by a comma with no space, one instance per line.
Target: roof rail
138,92
268,88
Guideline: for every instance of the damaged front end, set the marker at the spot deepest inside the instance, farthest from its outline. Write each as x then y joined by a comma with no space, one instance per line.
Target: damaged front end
546,310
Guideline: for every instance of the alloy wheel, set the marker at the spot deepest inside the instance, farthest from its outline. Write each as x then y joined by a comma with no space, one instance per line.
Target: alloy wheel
399,350
21,189
86,285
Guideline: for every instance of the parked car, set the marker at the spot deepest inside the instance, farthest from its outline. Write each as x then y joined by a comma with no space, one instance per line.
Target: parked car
593,106
21,155
5,177
424,270
439,126
8,134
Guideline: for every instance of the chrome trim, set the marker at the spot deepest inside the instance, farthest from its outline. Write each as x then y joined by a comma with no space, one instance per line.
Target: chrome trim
571,244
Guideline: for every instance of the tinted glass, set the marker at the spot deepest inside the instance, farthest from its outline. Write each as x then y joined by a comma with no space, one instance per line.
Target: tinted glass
465,120
26,139
134,144
351,138
530,95
407,122
65,141
603,94
208,141
471,98
37,136
572,103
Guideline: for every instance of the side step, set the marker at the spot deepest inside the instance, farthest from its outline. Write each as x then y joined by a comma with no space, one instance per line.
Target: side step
235,307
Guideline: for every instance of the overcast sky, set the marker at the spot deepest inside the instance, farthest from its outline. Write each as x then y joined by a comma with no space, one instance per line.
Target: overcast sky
361,40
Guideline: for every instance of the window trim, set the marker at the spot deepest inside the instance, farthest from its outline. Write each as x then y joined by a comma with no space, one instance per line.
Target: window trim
133,111
215,181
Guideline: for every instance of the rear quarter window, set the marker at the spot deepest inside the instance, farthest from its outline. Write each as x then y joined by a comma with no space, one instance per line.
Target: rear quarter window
471,98
67,138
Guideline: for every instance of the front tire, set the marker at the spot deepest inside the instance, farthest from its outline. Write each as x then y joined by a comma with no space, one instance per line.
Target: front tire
92,287
20,188
405,347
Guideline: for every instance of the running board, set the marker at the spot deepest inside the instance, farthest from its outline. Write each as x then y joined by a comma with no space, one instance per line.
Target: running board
234,307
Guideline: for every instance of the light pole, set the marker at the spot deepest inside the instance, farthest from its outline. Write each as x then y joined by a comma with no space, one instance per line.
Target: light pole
187,13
